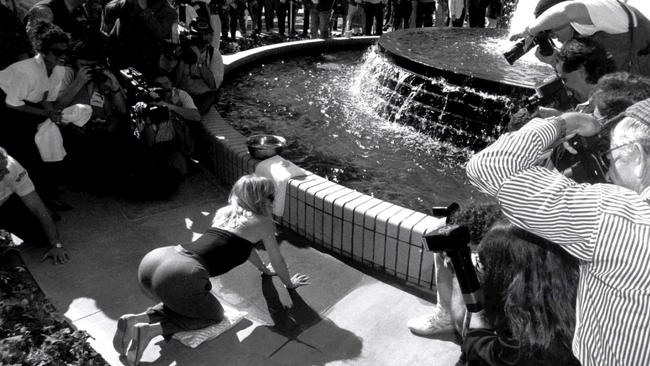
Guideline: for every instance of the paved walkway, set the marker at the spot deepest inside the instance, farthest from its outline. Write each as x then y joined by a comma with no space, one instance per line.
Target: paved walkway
343,318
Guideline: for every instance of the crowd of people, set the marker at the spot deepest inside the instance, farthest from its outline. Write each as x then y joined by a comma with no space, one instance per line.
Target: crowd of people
561,260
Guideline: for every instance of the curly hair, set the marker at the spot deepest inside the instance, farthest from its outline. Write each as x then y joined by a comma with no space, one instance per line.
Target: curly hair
530,287
43,35
582,51
619,90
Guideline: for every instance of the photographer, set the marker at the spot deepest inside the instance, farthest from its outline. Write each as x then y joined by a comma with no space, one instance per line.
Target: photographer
93,147
604,226
90,82
196,62
581,62
513,328
530,290
621,29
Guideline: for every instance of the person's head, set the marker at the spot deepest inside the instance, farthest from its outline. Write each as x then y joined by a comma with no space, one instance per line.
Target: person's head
163,81
617,91
581,62
629,154
530,287
4,163
253,193
51,42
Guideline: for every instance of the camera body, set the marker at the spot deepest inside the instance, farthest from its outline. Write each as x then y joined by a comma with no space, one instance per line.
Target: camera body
541,39
198,34
141,95
97,74
453,240
551,91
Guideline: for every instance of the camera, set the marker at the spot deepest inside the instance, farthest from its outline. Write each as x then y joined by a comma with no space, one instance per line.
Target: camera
454,240
197,34
550,91
138,88
142,94
97,74
541,39
588,165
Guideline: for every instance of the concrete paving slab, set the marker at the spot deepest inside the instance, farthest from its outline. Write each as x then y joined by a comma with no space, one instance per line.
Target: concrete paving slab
344,318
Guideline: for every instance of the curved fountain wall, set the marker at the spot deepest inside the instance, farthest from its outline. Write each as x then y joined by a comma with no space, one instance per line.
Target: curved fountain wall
366,230
451,83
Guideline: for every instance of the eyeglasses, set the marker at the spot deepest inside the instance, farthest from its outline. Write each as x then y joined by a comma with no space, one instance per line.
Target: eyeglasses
58,52
605,158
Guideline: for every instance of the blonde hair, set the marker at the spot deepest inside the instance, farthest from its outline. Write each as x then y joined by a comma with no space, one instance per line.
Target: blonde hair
249,196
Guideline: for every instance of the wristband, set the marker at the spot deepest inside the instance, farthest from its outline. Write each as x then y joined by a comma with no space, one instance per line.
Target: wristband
58,245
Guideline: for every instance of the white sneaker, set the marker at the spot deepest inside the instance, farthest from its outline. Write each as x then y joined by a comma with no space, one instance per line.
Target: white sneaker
438,322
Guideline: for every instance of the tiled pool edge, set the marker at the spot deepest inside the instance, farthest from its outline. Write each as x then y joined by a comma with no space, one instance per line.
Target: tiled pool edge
366,230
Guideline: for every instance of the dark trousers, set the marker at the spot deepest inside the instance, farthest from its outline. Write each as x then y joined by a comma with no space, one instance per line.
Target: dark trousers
424,16
401,13
179,280
255,9
477,10
306,7
237,18
374,12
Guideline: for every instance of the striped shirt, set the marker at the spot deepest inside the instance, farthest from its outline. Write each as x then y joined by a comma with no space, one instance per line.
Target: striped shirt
607,227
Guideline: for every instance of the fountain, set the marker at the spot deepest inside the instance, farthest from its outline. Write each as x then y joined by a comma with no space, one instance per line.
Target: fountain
356,118
452,83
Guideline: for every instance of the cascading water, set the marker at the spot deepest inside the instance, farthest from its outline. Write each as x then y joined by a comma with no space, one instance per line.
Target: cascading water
452,84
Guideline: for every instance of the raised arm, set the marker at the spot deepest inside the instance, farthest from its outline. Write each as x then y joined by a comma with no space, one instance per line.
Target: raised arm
535,198
557,16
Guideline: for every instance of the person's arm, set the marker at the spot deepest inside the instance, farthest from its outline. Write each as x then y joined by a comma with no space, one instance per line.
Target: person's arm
538,199
277,260
188,109
115,101
36,206
71,90
557,16
255,259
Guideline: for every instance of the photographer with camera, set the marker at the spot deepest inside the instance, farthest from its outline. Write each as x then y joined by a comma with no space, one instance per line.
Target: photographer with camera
604,225
581,62
506,325
196,62
90,82
620,28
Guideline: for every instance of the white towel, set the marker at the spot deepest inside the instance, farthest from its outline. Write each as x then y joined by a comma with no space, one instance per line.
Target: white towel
193,338
77,114
279,171
48,137
49,142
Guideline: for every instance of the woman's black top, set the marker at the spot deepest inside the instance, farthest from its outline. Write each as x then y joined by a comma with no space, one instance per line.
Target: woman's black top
220,250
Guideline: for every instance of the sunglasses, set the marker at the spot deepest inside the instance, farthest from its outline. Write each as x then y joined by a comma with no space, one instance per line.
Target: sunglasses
58,52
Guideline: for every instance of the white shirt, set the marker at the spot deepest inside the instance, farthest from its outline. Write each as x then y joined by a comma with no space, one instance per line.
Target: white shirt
607,15
16,181
27,80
